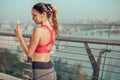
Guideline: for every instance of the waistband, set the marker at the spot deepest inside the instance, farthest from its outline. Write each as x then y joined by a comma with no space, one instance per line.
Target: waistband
41,65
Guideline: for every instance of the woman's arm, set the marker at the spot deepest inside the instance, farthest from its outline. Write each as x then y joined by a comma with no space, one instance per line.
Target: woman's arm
28,49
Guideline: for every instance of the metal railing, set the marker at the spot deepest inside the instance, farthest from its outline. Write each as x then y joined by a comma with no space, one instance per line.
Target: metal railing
74,58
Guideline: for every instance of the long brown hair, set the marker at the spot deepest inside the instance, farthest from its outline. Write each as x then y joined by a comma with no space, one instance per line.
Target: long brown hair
50,12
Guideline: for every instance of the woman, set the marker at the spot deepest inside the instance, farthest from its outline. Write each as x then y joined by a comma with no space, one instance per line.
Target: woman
41,41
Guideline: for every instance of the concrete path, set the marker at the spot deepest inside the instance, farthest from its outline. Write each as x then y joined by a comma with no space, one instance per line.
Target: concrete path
7,77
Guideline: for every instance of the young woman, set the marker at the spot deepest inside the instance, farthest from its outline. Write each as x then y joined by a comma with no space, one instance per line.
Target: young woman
41,41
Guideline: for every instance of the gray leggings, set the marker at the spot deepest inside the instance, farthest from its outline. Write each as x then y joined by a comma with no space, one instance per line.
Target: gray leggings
44,74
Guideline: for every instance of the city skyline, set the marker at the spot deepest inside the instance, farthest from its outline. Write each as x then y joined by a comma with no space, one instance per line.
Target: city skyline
67,10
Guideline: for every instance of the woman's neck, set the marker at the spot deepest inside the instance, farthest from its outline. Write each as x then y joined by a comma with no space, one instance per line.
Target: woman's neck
47,23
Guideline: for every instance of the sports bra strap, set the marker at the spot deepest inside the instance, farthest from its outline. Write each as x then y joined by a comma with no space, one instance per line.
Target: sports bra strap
51,34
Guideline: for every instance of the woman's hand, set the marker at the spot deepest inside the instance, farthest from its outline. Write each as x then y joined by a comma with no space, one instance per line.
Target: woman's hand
18,32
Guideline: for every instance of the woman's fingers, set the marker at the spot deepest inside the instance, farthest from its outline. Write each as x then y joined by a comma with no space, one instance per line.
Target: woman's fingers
18,28
18,31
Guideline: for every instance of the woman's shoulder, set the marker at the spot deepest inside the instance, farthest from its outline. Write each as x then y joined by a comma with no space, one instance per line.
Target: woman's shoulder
37,29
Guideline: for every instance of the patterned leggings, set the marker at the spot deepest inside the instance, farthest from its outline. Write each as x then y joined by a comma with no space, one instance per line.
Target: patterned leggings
44,74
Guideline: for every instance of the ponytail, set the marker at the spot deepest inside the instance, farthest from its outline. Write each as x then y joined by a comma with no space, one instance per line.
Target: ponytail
54,19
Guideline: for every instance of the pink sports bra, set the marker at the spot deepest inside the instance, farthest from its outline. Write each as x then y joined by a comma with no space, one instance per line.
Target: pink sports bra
43,48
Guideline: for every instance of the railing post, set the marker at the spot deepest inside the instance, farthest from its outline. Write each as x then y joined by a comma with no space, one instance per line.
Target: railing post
95,64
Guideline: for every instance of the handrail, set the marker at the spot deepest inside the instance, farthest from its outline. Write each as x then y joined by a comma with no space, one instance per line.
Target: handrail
71,39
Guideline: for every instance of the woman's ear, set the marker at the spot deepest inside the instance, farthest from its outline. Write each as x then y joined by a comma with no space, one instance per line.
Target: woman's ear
44,13
43,16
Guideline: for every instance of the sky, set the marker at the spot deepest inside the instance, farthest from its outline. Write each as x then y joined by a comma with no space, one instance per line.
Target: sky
14,10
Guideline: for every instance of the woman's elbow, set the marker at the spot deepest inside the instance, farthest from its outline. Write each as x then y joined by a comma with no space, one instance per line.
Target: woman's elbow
29,54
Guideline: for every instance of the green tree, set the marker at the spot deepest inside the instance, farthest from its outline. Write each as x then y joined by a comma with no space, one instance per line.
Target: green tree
69,72
10,64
